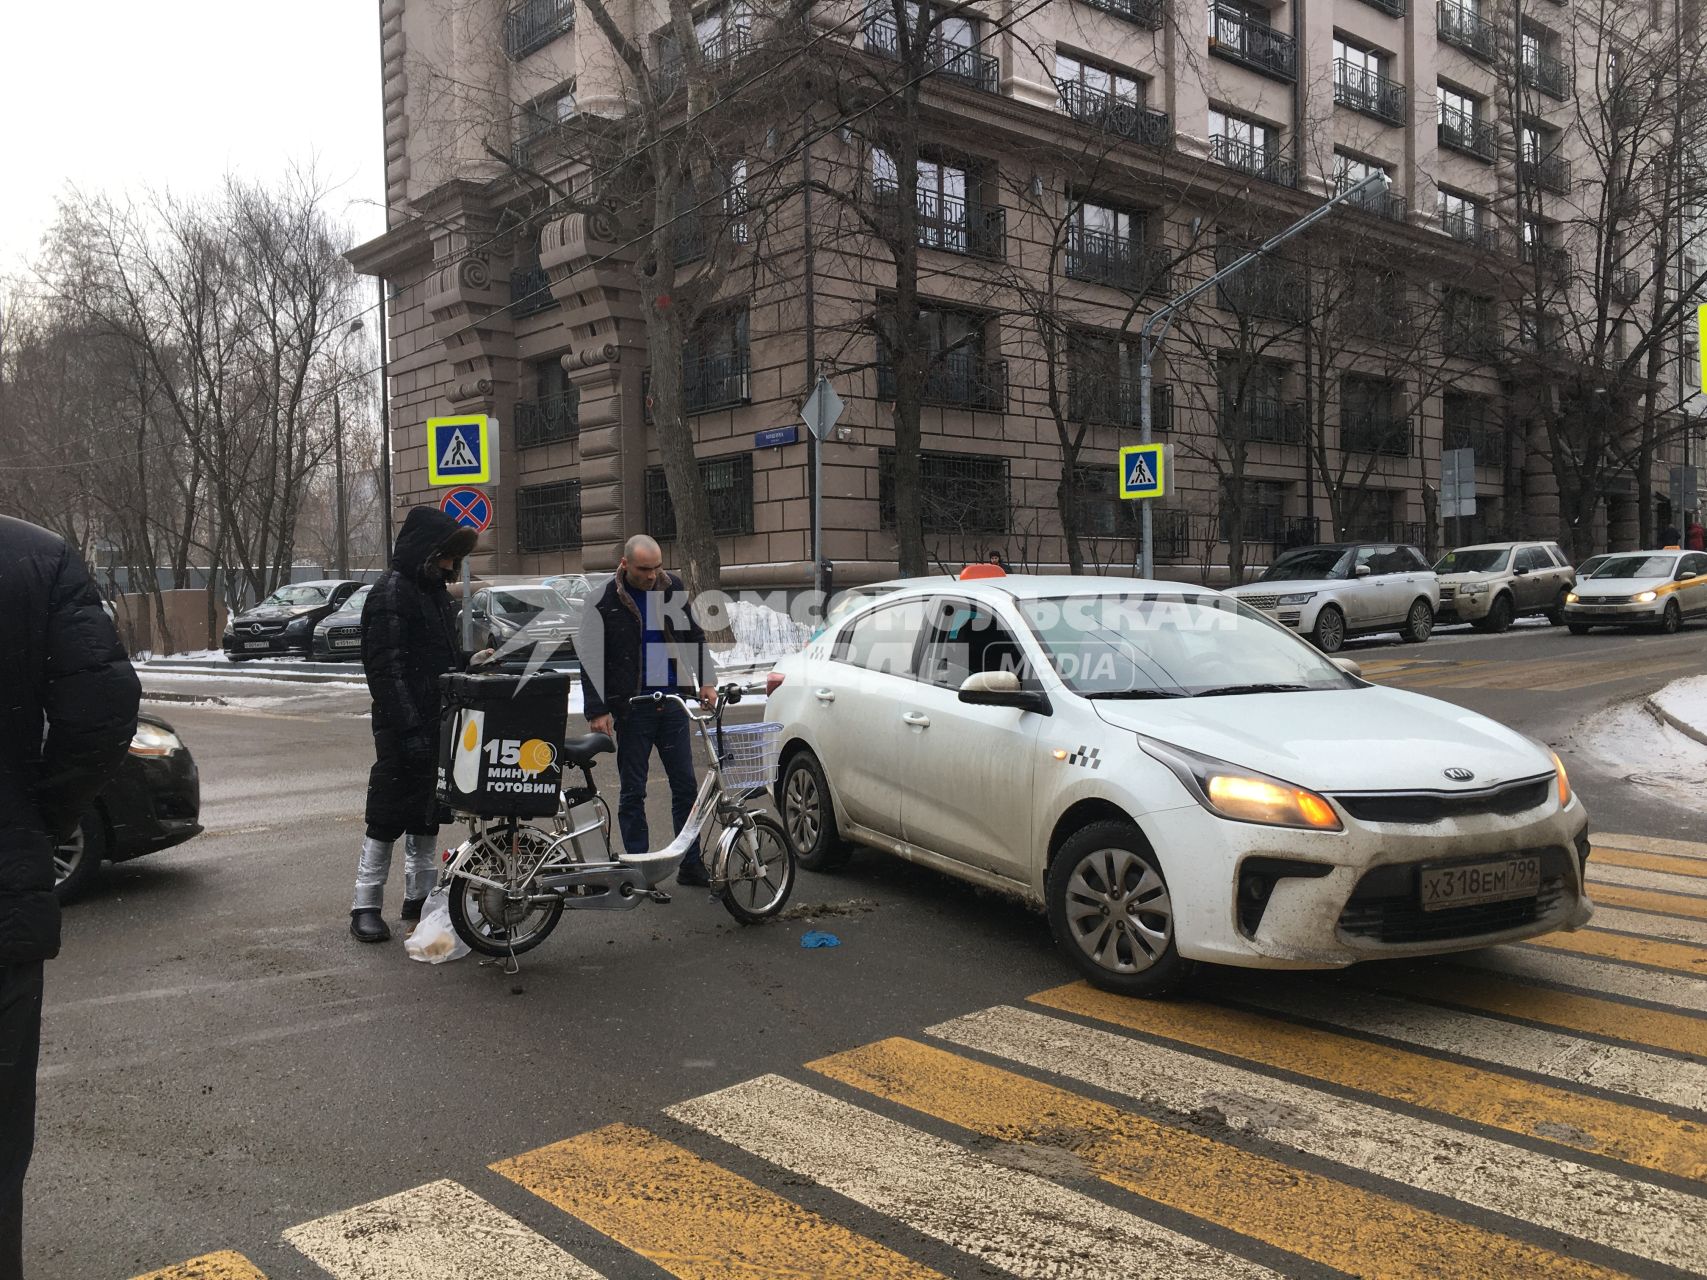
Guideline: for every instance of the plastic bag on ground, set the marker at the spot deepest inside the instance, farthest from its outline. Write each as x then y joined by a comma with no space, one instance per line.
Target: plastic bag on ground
434,941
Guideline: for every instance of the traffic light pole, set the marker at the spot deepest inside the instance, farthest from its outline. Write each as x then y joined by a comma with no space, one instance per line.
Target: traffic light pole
1156,327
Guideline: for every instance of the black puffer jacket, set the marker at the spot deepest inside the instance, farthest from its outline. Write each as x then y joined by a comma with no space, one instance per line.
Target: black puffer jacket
409,625
67,671
610,644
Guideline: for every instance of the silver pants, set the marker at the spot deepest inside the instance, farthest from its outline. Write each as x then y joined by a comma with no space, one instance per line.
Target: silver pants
420,870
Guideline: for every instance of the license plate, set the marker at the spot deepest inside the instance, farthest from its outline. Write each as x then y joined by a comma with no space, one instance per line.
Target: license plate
1465,886
257,644
349,643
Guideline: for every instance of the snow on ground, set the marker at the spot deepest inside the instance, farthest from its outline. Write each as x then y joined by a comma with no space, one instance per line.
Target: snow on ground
1687,700
227,681
1632,743
762,634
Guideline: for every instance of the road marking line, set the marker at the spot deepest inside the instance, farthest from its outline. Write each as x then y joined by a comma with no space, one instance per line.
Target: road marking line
1567,1011
1674,957
1644,925
1651,844
1001,1213
1645,900
1635,878
1605,856
1601,977
1492,1099
441,1230
1656,1223
693,1218
1486,1039
210,1266
1305,1213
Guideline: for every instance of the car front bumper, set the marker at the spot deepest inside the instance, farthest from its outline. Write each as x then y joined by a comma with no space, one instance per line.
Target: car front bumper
153,803
1617,614
242,646
1365,905
1464,608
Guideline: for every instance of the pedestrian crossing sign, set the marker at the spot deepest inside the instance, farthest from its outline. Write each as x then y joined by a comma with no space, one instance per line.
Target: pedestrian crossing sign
1142,471
459,450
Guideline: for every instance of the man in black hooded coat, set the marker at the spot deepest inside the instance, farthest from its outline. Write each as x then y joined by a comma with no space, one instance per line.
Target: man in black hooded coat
409,639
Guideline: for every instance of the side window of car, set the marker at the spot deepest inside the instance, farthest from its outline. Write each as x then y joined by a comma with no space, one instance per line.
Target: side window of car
1367,558
1696,564
967,639
1533,560
1559,557
1411,561
1385,560
884,639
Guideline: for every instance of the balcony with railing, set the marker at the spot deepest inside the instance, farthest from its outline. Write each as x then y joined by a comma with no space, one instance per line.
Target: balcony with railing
718,52
959,379
1544,71
1471,230
530,290
696,232
1626,285
533,24
713,380
548,420
1553,262
1462,132
965,64
1487,443
1266,288
1120,262
1241,38
944,223
1148,14
1470,337
1261,420
1111,399
1374,316
1392,8
1368,92
1124,119
1379,432
1550,172
1259,162
1462,27
1379,203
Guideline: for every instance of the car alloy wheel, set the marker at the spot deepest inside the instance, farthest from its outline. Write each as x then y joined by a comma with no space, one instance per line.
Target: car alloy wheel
77,862
1329,631
1499,614
1419,623
802,809
1671,621
809,815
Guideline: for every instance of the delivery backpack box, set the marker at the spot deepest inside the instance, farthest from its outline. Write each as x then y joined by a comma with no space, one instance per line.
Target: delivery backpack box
501,743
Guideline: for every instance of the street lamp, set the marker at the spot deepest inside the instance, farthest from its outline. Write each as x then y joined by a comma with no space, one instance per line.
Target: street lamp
1163,317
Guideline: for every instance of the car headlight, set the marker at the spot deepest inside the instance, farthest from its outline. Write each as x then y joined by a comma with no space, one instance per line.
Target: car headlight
1564,782
1301,597
1644,597
1570,597
299,625
152,740
1244,795
1473,589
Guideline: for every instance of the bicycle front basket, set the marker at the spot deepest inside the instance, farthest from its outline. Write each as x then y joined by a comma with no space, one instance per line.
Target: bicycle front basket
749,755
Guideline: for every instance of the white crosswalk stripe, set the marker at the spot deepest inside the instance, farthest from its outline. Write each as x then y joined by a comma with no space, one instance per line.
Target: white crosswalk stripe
1542,964
1641,878
1644,924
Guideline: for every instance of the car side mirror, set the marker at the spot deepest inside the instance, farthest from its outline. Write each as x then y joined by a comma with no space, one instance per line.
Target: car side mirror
1002,689
1362,571
1521,571
1348,666
1684,574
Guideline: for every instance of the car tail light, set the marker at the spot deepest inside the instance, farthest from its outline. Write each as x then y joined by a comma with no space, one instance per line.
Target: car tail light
773,681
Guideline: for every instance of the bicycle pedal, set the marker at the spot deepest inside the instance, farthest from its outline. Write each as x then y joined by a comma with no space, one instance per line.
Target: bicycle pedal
659,896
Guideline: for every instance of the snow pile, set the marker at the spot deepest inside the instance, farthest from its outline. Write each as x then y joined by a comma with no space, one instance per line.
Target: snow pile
1631,743
761,634
1685,701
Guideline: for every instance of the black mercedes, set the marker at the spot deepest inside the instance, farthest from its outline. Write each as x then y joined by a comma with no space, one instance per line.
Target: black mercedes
284,622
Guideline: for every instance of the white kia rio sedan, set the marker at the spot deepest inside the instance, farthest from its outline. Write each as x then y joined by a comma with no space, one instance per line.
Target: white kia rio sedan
1174,777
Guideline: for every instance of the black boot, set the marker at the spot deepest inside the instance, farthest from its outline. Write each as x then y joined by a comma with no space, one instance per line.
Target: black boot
692,875
412,910
366,926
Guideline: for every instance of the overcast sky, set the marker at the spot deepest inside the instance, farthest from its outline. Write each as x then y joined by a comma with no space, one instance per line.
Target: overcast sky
116,96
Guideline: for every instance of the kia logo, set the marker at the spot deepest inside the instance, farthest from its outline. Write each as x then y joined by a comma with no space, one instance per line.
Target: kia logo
1459,775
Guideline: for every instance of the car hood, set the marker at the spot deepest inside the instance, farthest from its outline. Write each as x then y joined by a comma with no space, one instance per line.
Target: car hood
1287,588
1458,579
276,613
343,618
1359,739
1619,586
545,623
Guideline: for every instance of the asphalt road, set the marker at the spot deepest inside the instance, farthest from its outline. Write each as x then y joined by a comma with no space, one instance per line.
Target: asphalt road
226,1070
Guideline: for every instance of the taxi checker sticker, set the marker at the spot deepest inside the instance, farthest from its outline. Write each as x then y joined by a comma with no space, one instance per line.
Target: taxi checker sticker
499,765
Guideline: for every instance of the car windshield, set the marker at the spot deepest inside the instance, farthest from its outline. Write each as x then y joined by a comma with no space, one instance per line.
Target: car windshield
1474,560
1590,565
1160,646
525,603
1308,564
354,603
1636,567
573,587
296,596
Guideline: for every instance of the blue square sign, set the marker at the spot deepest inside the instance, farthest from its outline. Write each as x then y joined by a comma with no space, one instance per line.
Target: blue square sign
459,450
1142,473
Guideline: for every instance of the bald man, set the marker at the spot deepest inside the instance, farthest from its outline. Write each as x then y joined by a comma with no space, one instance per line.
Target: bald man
640,637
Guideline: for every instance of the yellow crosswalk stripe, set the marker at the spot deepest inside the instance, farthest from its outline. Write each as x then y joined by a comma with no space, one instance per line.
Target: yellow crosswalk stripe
1679,957
1303,1213
693,1218
224,1265
1650,862
1651,844
1617,1130
1671,904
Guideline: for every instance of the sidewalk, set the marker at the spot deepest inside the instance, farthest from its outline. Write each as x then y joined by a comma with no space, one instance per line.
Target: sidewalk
1682,704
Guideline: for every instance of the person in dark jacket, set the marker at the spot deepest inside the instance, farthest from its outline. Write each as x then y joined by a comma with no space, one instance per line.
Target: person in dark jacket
409,640
639,637
66,719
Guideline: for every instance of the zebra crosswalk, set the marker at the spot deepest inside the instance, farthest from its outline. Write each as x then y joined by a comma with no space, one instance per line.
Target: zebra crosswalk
1539,675
1525,1111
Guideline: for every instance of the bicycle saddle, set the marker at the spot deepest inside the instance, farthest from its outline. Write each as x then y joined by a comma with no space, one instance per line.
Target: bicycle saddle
584,750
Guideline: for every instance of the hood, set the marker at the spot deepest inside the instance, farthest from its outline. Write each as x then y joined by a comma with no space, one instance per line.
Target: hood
1286,588
276,612
1362,739
428,533
1619,586
1481,575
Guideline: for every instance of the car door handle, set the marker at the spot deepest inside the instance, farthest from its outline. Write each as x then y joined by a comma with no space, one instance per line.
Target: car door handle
824,695
918,719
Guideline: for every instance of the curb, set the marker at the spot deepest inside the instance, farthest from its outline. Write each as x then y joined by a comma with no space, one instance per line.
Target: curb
1665,717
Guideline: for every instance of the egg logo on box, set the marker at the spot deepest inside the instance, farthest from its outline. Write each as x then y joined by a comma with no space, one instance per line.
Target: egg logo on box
465,766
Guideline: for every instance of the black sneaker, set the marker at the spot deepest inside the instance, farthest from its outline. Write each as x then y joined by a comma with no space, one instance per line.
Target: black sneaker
366,926
692,875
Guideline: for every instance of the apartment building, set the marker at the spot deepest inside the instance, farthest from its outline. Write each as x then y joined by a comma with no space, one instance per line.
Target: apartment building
1100,155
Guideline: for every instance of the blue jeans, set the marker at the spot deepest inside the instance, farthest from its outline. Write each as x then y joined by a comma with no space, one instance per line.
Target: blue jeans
640,730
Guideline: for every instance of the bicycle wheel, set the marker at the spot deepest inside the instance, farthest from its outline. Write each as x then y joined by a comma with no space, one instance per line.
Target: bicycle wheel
758,869
488,919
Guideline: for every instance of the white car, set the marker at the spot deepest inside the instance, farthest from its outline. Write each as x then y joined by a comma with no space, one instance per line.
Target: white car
1172,776
1659,589
1346,589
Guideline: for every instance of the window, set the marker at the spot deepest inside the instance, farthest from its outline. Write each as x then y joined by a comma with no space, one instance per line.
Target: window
1105,245
1094,79
1251,146
714,361
1460,215
959,372
1102,382
883,640
1262,513
548,516
948,201
725,32
960,492
1252,135
1357,58
1533,560
553,413
1454,103
966,639
1101,511
1349,170
728,484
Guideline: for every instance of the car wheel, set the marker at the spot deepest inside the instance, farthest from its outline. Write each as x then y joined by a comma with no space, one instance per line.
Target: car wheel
809,815
1579,628
1419,623
1328,634
1499,617
1111,913
77,862
1671,621
1556,615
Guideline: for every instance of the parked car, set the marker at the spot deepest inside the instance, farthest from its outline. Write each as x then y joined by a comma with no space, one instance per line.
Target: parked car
1492,584
1171,777
1655,589
284,622
338,636
518,620
152,803
1337,590
573,586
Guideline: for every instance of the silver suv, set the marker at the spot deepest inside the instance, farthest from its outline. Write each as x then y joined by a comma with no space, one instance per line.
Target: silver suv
1492,584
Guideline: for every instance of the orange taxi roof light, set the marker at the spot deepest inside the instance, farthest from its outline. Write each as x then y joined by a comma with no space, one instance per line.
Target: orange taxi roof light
972,571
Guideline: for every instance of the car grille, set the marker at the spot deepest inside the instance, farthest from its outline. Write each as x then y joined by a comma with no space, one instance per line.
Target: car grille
1262,602
1434,806
249,629
1448,594
1599,599
344,633
1386,907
